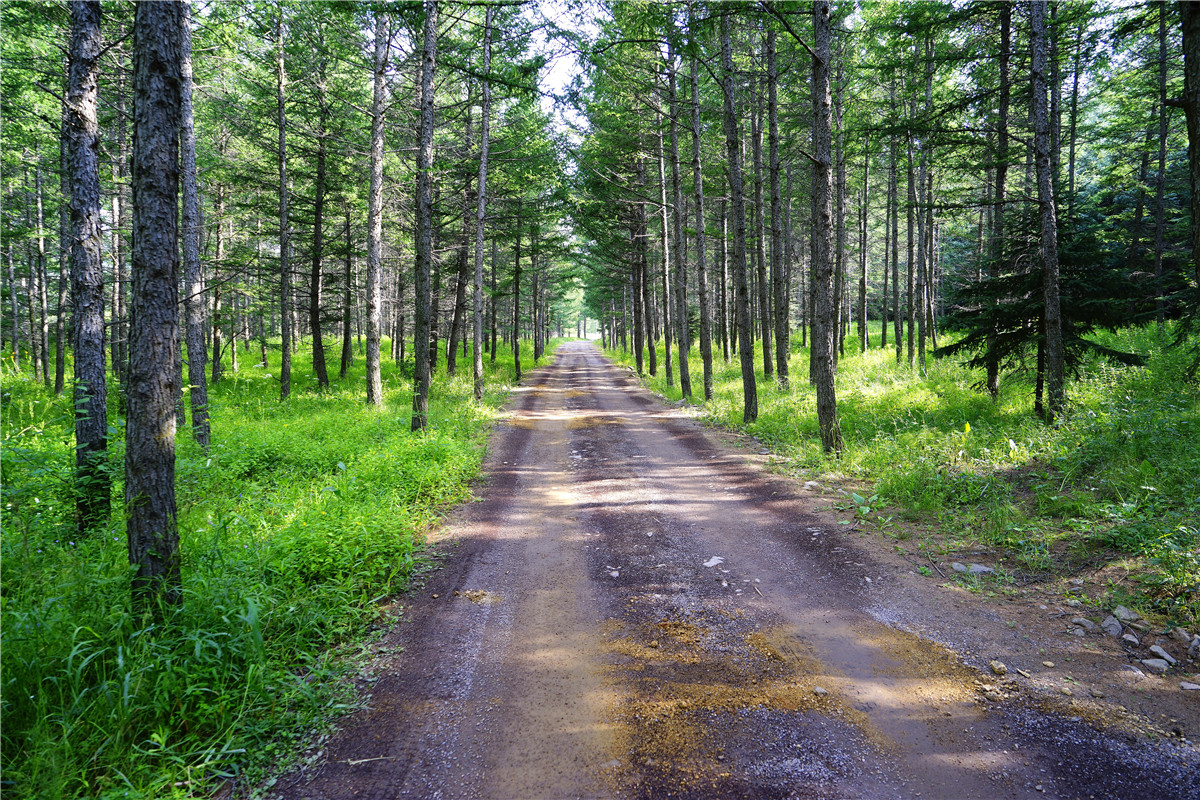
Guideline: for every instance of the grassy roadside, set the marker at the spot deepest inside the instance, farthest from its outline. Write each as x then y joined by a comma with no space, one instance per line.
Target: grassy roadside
1114,489
299,521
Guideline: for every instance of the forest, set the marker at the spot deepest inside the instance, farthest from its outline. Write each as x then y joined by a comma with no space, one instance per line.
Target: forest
271,271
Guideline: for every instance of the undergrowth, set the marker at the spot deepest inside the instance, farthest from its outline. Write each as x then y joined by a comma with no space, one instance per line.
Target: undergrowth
302,517
1116,481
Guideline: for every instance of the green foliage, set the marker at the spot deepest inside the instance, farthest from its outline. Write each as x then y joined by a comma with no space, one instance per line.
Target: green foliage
1120,476
302,517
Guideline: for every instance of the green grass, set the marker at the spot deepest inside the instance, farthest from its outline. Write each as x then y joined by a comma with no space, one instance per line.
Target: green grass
301,519
1118,480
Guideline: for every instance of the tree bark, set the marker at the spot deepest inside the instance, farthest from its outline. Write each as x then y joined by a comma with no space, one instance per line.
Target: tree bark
1052,314
316,278
64,252
779,282
347,303
1190,14
762,280
701,243
154,345
1160,183
738,202
92,480
463,277
481,205
375,210
999,245
667,315
193,279
424,239
824,320
285,234
863,333
683,338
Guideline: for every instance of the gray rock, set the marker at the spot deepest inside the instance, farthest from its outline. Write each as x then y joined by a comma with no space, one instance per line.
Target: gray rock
1077,581
1189,687
1156,665
1085,623
1194,647
980,569
1111,626
1125,615
1180,635
1073,603
1130,640
998,667
1163,654
1078,632
958,566
819,691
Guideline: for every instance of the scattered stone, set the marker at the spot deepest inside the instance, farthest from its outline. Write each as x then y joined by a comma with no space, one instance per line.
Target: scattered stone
958,566
1156,665
995,697
1073,603
1189,687
435,597
980,569
1023,672
616,762
615,573
1048,664
1181,636
811,485
1078,632
712,562
1163,654
1125,615
654,643
1130,640
1094,692
1112,626
1066,690
1077,581
1139,625
819,691
1085,623
1194,647
998,667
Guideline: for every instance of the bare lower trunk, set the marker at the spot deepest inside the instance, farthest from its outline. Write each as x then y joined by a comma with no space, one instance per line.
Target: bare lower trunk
285,268
154,344
738,201
481,208
701,243
824,319
375,210
193,279
424,239
92,481
778,270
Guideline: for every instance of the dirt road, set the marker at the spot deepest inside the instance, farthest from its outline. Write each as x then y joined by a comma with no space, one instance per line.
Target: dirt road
633,610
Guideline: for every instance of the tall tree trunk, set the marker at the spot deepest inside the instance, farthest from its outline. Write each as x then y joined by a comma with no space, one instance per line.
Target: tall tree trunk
778,275
15,299
316,278
347,303
762,281
637,276
458,324
887,263
839,220
43,327
999,245
193,279
863,333
375,209
701,243
154,342
738,201
218,348
1160,183
64,251
92,481
492,302
1052,314
119,337
667,314
910,275
824,320
723,299
1190,16
516,309
424,240
683,336
285,234
481,205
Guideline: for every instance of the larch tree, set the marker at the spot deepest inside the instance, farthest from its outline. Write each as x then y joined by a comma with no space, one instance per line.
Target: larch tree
92,479
424,227
153,368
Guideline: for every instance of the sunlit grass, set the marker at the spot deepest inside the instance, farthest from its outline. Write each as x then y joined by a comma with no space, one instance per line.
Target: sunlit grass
299,520
1120,473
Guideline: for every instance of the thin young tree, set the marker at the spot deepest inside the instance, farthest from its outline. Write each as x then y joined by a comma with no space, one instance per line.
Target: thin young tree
92,480
375,209
193,280
738,202
154,347
1052,311
481,204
